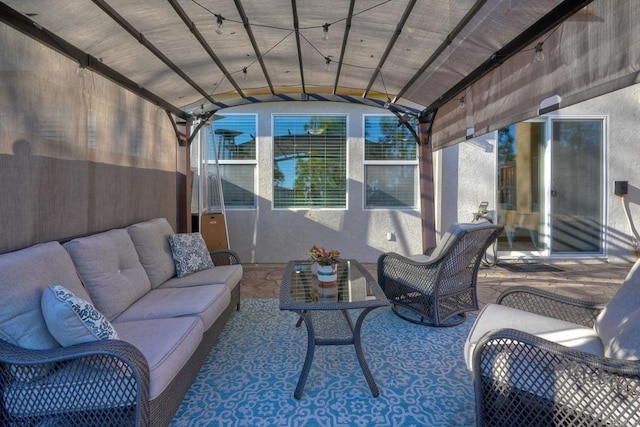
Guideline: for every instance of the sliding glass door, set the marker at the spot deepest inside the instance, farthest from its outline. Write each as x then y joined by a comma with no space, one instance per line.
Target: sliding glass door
550,187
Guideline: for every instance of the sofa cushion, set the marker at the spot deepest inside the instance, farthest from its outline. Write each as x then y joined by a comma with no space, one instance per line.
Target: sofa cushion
25,274
151,240
72,320
626,344
618,310
206,302
108,265
229,275
495,316
190,253
167,344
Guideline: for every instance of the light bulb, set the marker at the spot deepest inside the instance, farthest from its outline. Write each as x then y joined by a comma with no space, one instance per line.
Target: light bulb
325,31
539,56
219,21
245,76
327,64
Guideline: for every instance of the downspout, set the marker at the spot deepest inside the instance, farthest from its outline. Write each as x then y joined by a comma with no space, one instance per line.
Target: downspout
427,198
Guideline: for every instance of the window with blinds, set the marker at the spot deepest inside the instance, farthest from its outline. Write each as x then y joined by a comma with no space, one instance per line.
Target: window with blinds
235,149
310,161
391,164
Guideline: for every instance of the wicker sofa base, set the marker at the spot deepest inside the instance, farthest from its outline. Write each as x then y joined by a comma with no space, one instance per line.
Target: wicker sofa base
163,408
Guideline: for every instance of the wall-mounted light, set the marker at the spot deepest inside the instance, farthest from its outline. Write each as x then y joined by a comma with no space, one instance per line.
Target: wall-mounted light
245,76
219,22
539,55
325,31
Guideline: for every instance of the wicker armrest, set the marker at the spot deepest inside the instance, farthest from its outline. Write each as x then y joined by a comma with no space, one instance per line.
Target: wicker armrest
551,305
97,383
521,379
224,257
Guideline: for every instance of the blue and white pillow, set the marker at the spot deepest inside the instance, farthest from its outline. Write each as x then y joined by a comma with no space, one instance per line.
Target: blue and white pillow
190,253
72,320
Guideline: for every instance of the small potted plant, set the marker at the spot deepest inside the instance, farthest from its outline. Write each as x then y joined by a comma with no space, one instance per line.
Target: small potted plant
327,262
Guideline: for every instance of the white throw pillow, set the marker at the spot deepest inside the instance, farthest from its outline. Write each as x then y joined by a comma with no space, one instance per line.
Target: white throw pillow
190,253
72,320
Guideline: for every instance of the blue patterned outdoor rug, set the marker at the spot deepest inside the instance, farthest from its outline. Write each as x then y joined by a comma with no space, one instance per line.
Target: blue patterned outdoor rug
252,372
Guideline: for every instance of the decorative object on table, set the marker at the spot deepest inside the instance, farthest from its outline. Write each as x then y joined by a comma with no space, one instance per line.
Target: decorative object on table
327,261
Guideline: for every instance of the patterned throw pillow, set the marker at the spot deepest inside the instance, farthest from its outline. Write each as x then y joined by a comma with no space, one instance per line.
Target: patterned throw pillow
190,253
72,320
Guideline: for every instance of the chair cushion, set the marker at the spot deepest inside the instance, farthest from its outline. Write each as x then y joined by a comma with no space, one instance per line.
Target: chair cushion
151,239
618,312
454,231
109,266
25,275
72,320
167,344
495,316
190,253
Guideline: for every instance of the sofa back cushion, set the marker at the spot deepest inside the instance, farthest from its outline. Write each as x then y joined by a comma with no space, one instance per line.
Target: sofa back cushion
24,276
108,265
151,239
619,317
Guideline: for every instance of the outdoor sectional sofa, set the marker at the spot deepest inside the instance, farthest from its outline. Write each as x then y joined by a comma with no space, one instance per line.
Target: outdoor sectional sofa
165,327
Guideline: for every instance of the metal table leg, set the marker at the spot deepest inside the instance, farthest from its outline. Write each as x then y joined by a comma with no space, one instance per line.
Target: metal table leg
311,347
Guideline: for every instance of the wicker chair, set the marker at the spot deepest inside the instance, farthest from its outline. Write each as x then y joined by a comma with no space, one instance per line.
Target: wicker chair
440,288
580,367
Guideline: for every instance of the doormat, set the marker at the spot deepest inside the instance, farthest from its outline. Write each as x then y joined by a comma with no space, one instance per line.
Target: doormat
528,267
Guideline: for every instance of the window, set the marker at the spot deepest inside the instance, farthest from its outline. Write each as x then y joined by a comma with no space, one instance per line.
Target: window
309,161
235,137
391,164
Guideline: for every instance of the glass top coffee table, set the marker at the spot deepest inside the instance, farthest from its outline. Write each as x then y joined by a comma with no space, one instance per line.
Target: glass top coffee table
324,309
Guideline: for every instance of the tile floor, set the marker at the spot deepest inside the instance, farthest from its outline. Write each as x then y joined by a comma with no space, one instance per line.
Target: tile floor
591,279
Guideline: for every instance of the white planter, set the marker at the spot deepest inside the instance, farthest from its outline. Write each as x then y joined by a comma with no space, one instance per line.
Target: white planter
327,273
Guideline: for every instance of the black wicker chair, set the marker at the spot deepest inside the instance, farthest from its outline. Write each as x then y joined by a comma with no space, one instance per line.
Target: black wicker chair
523,380
102,383
438,290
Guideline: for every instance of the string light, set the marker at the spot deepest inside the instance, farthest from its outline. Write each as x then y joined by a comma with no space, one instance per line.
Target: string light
245,76
325,31
219,22
539,56
461,103
327,64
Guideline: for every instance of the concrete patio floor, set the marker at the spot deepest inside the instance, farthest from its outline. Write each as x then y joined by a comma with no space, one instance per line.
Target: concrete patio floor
594,280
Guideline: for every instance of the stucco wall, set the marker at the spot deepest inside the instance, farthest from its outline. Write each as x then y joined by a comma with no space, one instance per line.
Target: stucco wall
265,235
78,154
465,173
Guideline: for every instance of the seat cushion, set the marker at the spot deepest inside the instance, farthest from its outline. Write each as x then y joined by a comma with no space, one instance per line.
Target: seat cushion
72,320
495,316
109,266
151,240
207,302
229,275
167,344
24,276
618,312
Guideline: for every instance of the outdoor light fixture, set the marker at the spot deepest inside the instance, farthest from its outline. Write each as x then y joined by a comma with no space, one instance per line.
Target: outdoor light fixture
325,31
539,56
245,76
327,64
219,21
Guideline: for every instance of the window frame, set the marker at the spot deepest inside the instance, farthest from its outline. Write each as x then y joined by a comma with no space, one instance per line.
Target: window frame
395,162
255,162
274,116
